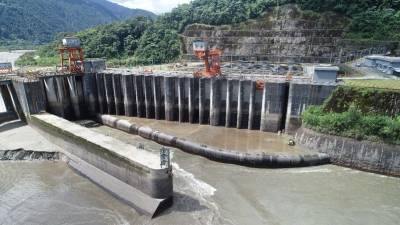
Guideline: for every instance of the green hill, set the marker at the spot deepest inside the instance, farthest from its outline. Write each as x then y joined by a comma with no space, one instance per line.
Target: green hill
158,41
38,20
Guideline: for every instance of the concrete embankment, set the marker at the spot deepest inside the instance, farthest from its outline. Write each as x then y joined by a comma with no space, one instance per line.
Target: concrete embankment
226,156
133,175
362,155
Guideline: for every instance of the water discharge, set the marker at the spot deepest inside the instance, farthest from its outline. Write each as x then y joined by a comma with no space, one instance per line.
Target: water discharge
206,192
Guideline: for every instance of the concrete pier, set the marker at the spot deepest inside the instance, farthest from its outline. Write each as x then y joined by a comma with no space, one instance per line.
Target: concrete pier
138,84
243,104
252,105
101,93
273,108
129,94
158,93
110,98
182,100
204,100
133,175
170,98
232,98
75,87
118,95
148,96
215,98
90,94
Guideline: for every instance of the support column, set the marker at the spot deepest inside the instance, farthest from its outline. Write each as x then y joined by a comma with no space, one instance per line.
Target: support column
129,95
110,99
148,96
158,90
273,106
90,93
202,100
169,89
251,105
76,96
193,99
181,99
118,95
229,89
101,93
138,84
243,104
215,98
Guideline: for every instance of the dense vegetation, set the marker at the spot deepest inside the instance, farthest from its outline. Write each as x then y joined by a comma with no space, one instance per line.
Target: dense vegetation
36,21
360,113
159,42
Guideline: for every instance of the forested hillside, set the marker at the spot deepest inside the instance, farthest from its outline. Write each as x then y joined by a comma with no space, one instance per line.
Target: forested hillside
158,41
38,20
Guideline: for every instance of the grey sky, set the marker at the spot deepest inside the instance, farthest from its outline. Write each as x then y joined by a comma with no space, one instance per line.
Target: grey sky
156,6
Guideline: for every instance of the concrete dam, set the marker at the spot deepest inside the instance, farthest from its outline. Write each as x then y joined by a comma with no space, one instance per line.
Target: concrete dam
49,104
235,103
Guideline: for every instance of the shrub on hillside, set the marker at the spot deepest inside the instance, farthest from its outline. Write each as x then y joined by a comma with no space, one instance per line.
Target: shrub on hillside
353,123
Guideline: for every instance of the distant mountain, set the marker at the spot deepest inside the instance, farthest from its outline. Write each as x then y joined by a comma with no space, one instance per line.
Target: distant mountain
39,20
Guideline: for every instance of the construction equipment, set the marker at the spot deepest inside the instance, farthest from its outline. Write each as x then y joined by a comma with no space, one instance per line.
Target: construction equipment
211,59
71,55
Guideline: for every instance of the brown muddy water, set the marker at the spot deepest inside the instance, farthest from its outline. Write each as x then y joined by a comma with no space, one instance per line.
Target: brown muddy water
225,138
206,192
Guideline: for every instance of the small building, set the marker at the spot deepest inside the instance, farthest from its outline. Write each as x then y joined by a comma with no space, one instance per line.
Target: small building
71,42
94,65
200,45
5,67
325,74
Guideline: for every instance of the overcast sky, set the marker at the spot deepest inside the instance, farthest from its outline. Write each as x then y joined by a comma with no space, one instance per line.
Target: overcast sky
155,6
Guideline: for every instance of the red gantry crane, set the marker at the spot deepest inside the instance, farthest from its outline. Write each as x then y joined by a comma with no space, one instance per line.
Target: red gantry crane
71,54
211,59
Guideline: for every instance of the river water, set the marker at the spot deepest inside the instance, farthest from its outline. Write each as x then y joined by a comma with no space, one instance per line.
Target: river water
206,192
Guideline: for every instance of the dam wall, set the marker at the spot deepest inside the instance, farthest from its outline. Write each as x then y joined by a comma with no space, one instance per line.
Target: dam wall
302,95
228,102
131,174
364,155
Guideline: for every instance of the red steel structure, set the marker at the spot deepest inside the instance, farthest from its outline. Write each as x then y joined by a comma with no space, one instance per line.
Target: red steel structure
71,55
211,59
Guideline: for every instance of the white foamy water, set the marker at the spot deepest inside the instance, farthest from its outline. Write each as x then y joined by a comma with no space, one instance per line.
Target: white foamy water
199,187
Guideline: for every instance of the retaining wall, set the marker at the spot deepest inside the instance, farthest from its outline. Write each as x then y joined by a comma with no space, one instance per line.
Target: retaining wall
133,175
363,155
